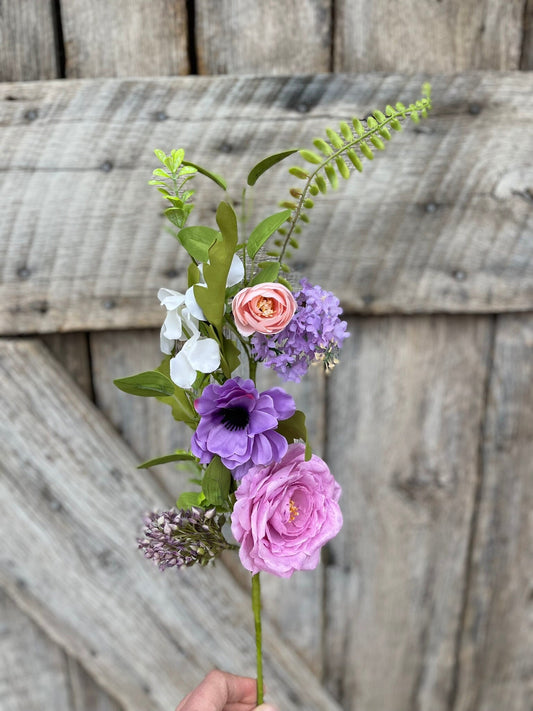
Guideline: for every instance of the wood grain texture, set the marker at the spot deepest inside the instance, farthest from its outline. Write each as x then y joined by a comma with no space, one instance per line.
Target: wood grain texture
427,36
268,37
403,423
36,674
495,659
27,41
443,222
70,561
72,351
124,38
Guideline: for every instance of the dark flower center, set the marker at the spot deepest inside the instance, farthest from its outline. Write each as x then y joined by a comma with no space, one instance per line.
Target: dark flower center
235,418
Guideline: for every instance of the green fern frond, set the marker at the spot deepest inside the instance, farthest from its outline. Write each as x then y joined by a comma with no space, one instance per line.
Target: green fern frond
348,145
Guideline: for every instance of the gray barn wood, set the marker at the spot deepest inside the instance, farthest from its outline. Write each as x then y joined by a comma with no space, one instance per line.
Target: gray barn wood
121,38
399,240
404,421
419,35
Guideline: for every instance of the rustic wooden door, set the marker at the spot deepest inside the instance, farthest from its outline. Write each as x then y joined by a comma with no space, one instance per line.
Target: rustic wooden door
424,601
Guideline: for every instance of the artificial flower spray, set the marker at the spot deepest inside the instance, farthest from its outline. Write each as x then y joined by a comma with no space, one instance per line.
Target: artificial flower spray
253,465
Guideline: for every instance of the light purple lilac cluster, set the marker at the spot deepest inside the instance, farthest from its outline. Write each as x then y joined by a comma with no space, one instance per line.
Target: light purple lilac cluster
314,334
182,538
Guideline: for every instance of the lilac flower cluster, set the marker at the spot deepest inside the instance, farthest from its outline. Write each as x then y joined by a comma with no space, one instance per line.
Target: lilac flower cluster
182,538
314,334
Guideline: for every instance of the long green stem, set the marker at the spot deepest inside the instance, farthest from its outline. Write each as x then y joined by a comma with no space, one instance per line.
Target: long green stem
256,606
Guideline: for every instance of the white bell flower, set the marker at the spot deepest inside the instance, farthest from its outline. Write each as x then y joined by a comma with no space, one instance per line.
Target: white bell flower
197,354
178,315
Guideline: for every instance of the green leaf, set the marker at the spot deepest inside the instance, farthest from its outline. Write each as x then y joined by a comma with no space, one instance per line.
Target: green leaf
295,428
161,155
176,215
181,407
231,354
212,299
264,230
332,176
189,499
198,240
216,483
193,274
174,457
219,180
336,140
299,172
311,156
264,165
161,173
151,383
285,283
322,146
267,274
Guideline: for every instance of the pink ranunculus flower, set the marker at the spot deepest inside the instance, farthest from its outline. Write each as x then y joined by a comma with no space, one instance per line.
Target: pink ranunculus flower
263,308
285,512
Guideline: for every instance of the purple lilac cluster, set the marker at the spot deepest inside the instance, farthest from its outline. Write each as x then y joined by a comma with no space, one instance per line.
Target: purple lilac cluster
314,334
182,538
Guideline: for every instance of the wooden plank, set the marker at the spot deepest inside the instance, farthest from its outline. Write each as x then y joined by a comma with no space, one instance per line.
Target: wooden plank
406,245
145,424
35,673
71,563
27,41
434,37
113,39
495,660
404,413
274,37
72,351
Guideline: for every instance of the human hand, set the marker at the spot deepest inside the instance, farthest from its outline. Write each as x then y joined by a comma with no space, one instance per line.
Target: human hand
220,691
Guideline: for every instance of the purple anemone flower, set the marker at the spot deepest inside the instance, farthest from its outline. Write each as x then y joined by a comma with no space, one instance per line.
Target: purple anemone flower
239,424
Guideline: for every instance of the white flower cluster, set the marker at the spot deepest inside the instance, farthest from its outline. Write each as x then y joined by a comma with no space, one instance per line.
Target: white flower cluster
198,353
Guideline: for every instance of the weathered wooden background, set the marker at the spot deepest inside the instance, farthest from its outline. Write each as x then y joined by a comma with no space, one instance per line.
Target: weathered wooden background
425,600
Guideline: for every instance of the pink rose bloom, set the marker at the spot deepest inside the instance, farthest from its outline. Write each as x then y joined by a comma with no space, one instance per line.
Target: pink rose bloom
285,513
265,308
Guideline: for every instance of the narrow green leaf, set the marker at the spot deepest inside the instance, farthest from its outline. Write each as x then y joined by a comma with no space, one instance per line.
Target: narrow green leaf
285,283
322,146
346,131
336,140
216,483
212,299
380,116
378,143
365,150
352,155
321,184
396,125
268,273
371,122
198,240
219,180
299,172
332,176
264,230
161,173
359,128
148,384
343,168
267,163
311,156
174,457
